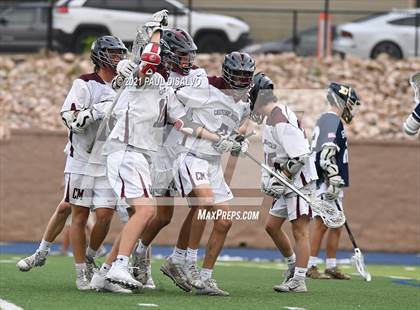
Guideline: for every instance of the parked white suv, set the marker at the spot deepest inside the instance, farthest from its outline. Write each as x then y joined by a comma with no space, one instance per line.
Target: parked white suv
392,33
76,22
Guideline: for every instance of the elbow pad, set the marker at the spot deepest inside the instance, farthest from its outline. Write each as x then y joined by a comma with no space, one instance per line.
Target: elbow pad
327,160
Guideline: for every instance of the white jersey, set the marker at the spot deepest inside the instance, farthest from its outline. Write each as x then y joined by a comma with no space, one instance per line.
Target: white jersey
88,91
197,78
283,138
141,115
214,110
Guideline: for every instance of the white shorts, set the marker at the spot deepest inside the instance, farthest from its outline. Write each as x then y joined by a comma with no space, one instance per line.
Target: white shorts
163,173
293,207
90,192
129,174
194,171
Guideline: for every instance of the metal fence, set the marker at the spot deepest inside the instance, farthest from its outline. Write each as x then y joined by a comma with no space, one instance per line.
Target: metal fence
268,23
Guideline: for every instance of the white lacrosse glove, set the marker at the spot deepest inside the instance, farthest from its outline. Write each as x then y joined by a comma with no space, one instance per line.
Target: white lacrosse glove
150,59
226,144
335,187
160,19
241,147
276,188
125,68
415,84
84,119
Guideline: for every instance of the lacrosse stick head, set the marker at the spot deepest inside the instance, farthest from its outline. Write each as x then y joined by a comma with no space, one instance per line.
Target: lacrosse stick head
359,261
415,83
330,215
141,40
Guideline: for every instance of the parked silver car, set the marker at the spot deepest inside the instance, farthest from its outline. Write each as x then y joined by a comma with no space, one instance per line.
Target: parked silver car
24,26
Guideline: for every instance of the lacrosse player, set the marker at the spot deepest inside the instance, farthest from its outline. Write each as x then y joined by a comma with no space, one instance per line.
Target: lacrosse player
412,124
286,150
141,115
178,54
87,185
221,107
329,147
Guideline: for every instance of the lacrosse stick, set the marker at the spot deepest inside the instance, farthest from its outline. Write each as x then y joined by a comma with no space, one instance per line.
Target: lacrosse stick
357,258
330,215
141,40
415,83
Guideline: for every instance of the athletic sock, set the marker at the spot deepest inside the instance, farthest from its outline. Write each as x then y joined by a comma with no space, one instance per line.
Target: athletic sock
90,252
141,249
331,263
312,261
300,273
178,255
291,260
104,269
206,273
122,261
44,245
192,255
80,267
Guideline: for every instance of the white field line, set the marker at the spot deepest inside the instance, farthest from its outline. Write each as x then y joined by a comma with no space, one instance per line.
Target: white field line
6,305
148,305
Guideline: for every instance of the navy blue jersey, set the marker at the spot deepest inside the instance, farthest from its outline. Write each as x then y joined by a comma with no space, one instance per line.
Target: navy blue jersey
329,129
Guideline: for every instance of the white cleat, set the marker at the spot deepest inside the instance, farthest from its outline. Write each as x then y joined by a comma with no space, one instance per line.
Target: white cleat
292,285
211,289
140,267
176,273
37,259
98,281
150,284
120,275
90,266
288,274
99,284
82,280
193,275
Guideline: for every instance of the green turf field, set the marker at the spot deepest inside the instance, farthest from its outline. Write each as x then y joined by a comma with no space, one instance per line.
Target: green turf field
250,285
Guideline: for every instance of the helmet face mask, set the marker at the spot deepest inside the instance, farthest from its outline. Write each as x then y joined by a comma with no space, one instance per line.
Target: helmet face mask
238,70
344,98
107,51
180,50
260,95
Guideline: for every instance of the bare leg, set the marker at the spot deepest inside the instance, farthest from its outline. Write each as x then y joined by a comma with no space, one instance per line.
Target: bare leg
112,256
184,234
57,221
318,232
162,218
281,240
77,232
333,239
203,199
217,238
300,229
101,227
66,240
144,211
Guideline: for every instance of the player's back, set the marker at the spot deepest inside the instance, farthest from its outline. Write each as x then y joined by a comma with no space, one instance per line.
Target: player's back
329,130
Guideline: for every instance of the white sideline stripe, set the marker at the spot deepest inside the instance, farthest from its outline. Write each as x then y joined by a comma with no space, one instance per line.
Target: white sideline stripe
148,305
6,305
7,261
293,308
